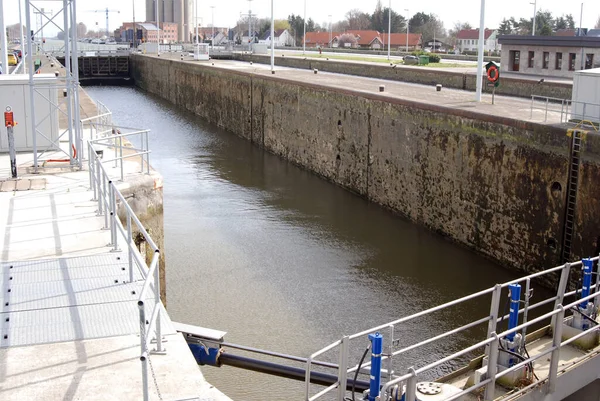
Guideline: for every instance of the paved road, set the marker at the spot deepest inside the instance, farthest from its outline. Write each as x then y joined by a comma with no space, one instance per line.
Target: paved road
517,108
365,55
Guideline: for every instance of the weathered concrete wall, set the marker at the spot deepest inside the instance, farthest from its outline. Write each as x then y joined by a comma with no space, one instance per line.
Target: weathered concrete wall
421,75
145,197
484,181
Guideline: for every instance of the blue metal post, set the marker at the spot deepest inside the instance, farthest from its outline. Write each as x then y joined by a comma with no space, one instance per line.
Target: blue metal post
376,350
587,280
513,317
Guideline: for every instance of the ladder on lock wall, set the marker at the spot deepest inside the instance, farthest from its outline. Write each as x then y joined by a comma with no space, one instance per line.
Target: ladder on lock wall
569,226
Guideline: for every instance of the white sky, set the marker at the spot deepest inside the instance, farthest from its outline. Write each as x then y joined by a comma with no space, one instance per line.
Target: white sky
227,12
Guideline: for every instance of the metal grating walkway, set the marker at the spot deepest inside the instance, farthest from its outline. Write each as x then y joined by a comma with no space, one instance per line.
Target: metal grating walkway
67,299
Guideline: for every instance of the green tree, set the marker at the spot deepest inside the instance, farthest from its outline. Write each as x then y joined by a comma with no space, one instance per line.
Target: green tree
560,23
546,30
282,24
505,27
524,26
544,22
597,26
377,22
418,20
570,21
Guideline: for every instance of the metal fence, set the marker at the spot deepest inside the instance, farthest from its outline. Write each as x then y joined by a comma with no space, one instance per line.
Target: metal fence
110,202
564,110
394,385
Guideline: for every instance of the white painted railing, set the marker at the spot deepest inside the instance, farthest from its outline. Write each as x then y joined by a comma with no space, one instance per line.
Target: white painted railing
553,319
108,139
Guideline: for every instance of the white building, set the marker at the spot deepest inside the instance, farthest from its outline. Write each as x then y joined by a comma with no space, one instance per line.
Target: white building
467,40
282,38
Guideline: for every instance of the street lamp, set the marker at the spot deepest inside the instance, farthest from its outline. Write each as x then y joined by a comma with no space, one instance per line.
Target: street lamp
133,37
3,40
157,30
407,23
480,53
212,40
272,39
580,34
389,27
330,32
304,37
534,4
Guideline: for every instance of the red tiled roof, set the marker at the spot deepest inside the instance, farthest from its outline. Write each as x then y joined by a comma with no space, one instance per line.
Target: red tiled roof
364,38
399,39
473,34
565,32
319,37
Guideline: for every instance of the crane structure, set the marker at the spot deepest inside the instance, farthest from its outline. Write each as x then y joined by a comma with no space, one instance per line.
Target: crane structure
106,10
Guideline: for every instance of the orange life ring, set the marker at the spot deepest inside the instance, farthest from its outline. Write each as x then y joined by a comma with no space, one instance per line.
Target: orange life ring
493,74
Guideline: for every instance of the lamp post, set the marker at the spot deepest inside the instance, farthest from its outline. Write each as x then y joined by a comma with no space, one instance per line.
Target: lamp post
580,34
3,40
407,23
304,37
480,53
196,21
250,30
157,29
21,38
133,37
212,40
389,27
272,39
534,4
330,32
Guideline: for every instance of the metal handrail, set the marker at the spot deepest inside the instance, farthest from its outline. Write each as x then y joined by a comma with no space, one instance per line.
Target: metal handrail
110,202
115,141
558,311
492,321
567,109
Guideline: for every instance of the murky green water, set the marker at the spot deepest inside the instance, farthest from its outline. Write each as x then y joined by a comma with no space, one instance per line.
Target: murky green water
283,260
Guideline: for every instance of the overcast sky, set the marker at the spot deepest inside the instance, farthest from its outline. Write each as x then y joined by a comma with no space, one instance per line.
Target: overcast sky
227,12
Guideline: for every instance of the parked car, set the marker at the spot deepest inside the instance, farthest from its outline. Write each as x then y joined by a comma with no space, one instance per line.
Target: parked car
12,59
414,60
18,52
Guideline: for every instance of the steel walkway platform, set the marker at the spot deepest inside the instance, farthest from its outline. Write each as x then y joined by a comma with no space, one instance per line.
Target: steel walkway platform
68,299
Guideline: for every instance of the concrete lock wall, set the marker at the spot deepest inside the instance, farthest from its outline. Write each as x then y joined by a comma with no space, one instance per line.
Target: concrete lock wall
421,75
491,183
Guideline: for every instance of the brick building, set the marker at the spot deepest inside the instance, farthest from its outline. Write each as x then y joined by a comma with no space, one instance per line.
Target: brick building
549,55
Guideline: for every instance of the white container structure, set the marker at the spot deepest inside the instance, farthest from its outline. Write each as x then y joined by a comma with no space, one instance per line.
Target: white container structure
201,51
14,92
586,96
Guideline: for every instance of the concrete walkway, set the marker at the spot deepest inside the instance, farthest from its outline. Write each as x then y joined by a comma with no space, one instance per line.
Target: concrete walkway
504,106
69,324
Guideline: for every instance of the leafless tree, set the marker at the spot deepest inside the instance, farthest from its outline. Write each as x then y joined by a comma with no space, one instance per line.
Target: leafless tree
347,40
358,20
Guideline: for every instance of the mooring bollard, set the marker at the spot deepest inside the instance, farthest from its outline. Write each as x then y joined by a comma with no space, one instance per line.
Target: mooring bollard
438,87
316,71
381,88
9,122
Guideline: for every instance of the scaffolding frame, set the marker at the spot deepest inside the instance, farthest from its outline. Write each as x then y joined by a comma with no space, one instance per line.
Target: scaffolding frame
70,89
